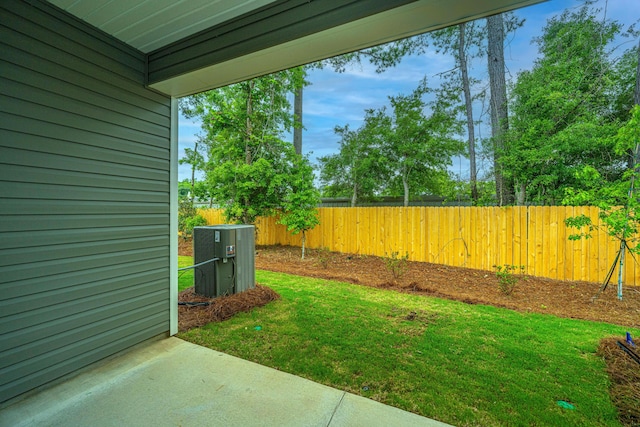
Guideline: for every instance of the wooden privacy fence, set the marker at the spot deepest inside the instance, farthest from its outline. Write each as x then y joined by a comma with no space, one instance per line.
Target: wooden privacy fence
473,237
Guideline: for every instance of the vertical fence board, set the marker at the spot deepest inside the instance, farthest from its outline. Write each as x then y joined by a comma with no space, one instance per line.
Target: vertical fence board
569,248
501,243
562,238
493,227
543,236
477,252
483,234
606,254
524,228
423,234
442,236
508,221
517,236
531,241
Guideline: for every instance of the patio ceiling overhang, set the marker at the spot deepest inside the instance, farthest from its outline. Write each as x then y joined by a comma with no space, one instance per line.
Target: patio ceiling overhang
196,45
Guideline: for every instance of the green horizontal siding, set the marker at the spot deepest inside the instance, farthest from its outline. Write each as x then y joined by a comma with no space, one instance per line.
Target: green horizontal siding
56,139
84,192
88,278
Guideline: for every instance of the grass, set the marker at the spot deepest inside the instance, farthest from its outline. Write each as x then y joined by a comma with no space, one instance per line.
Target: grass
462,364
185,278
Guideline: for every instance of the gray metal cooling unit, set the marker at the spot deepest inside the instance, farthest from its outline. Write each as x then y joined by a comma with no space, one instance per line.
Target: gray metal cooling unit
235,270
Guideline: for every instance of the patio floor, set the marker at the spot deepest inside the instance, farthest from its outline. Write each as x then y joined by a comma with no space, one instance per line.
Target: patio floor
172,382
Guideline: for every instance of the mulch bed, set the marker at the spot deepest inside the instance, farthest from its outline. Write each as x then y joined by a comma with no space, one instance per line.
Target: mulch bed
219,309
531,294
624,374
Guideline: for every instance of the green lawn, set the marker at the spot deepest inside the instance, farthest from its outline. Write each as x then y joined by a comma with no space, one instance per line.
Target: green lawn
461,364
185,278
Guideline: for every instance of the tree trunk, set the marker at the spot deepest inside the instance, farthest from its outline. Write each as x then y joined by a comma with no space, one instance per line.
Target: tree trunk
521,194
248,158
499,121
405,185
636,92
249,126
633,152
354,196
304,238
297,112
462,55
193,173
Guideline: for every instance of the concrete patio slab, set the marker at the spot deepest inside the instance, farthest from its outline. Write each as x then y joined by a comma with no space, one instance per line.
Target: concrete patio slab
172,382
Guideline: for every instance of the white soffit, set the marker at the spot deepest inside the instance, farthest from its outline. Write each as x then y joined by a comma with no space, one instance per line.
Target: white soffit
148,25
415,18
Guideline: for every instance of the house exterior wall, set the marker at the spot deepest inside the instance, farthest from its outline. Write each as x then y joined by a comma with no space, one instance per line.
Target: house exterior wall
84,197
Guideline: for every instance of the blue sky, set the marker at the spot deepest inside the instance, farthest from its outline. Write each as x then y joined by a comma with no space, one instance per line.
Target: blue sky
341,98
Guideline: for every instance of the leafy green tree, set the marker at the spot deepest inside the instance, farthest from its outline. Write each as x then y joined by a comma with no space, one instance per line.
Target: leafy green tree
619,206
248,162
184,187
624,92
402,152
300,204
464,42
617,200
188,218
418,148
561,115
194,158
358,170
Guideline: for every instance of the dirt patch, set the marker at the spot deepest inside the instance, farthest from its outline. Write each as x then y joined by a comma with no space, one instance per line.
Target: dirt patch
624,374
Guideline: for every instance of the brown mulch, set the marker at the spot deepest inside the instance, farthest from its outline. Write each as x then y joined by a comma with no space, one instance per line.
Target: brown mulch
624,374
221,308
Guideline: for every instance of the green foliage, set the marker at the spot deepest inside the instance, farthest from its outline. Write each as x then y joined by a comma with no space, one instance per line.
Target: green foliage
418,148
458,190
399,153
561,118
396,264
184,188
358,169
249,166
461,364
324,256
623,74
247,191
188,218
464,42
193,157
619,207
300,203
508,276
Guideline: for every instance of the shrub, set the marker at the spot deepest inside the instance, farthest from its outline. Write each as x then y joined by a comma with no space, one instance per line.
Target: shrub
324,256
508,276
396,264
188,218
